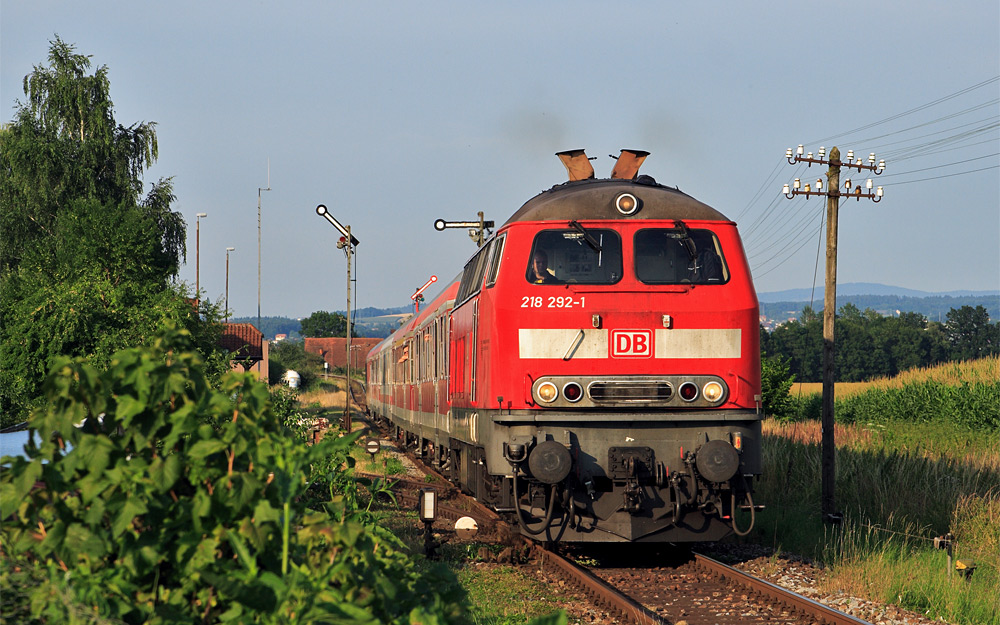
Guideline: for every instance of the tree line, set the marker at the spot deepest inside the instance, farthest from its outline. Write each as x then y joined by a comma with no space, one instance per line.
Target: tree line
870,345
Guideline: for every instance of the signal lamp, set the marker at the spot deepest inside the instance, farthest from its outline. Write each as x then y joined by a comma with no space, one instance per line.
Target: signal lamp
572,392
547,392
688,391
428,505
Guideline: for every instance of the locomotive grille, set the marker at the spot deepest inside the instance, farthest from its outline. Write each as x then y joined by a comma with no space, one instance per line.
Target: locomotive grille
636,391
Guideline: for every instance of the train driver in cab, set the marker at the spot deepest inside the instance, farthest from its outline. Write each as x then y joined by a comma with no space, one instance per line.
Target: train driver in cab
539,272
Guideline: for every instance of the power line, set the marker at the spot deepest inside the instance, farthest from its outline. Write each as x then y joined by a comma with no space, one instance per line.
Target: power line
777,227
913,110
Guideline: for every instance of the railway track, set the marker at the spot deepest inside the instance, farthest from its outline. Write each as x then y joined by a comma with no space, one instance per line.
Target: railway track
699,590
682,588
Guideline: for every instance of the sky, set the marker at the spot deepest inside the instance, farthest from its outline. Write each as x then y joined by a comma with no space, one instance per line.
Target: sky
394,114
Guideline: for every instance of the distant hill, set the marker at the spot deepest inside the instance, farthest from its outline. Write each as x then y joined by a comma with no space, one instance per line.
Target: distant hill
886,300
863,288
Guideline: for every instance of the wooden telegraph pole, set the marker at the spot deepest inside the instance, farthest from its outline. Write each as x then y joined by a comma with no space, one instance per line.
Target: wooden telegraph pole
833,195
829,317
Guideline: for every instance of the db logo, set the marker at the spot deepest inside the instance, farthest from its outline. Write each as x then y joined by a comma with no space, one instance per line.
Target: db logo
631,343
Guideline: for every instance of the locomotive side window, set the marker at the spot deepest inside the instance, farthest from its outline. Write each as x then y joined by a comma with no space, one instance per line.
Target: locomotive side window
679,256
472,277
575,256
497,254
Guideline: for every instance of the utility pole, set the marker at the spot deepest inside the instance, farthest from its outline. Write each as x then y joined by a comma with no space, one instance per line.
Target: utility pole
833,195
259,189
197,259
228,249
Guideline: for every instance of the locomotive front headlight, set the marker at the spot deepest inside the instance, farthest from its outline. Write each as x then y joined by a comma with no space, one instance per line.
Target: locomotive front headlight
712,392
626,203
547,392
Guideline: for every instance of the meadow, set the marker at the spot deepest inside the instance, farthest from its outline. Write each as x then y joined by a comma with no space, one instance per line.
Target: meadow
917,458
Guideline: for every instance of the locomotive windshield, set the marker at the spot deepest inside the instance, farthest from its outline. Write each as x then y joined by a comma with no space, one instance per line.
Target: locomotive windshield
575,256
679,256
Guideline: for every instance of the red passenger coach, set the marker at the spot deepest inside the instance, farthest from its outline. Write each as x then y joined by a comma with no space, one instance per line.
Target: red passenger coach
594,371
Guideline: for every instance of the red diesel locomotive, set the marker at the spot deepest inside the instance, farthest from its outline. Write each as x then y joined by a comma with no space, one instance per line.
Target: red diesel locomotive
595,369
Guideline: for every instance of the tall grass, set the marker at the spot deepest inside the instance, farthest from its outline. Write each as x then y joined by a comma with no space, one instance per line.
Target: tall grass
898,488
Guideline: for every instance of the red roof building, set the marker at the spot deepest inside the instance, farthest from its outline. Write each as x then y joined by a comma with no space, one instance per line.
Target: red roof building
334,350
247,347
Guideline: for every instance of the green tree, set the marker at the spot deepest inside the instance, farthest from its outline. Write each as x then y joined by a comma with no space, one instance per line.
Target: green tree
323,324
292,355
86,263
63,145
801,342
970,333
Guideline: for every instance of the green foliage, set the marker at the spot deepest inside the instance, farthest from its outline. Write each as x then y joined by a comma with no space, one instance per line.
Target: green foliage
970,405
85,263
287,355
808,407
323,324
64,144
173,502
775,381
970,333
869,345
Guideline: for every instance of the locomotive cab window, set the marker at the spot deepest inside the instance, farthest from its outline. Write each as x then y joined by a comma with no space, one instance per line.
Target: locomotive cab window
576,255
679,256
472,276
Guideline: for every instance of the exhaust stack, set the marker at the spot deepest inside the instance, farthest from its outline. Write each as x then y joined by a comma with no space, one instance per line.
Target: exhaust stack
628,163
577,164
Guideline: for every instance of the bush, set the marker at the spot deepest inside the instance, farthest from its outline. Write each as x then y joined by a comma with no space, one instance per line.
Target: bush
173,502
775,381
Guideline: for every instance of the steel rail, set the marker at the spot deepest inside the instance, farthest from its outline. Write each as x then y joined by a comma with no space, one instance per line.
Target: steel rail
774,592
602,593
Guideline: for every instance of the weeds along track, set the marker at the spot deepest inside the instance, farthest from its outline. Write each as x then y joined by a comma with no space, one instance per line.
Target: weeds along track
635,585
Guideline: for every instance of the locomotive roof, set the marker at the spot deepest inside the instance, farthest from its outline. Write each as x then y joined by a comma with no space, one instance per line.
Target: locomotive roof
595,199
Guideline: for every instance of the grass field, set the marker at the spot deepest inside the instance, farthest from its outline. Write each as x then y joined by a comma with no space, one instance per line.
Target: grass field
899,483
951,373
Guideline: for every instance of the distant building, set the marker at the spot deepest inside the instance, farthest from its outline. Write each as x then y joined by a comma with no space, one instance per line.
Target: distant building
248,351
334,350
280,337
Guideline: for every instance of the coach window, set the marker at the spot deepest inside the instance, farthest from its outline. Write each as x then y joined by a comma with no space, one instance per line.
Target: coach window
429,358
575,256
679,256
